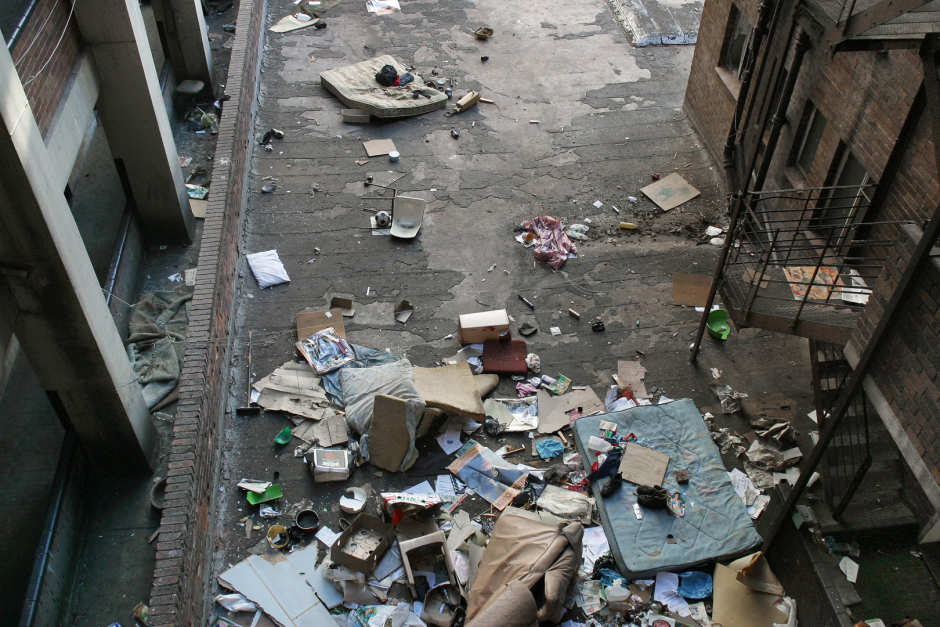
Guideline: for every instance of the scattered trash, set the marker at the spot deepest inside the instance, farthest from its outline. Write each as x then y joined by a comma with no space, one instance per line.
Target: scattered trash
553,246
628,225
633,200
484,59
196,192
597,326
598,204
577,231
268,187
484,33
470,99
555,330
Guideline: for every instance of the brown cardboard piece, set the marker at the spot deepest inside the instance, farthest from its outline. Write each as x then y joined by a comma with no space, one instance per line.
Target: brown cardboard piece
345,305
736,603
198,207
330,431
670,192
371,544
631,374
553,414
690,290
643,466
486,383
451,388
389,432
329,464
378,147
310,322
404,311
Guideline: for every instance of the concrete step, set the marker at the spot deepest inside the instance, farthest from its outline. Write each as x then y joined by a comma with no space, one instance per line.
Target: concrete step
658,22
868,511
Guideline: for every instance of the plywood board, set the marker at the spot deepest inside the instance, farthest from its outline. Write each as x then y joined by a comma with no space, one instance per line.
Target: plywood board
450,388
670,192
377,147
631,374
690,290
553,415
310,322
643,466
388,433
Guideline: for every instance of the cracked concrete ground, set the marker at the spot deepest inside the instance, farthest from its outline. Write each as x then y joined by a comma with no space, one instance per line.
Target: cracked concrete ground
608,116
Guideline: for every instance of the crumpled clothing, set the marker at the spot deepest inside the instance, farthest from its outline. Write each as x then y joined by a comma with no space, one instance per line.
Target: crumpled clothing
157,330
525,389
609,468
548,449
553,246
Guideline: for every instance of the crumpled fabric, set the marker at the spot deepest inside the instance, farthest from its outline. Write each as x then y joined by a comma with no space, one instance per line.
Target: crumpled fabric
156,342
364,358
359,389
553,246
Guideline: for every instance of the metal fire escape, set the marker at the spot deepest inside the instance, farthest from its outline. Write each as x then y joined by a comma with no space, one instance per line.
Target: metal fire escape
808,261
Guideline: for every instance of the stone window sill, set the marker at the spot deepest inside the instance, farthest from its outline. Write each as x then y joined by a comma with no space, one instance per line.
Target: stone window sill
732,82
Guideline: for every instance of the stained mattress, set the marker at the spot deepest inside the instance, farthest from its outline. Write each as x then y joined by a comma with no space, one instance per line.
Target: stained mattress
715,526
356,87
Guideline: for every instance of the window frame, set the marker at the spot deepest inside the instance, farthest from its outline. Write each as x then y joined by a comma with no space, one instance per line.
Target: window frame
735,18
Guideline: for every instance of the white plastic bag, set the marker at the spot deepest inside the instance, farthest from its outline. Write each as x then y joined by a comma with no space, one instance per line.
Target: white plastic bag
235,603
267,268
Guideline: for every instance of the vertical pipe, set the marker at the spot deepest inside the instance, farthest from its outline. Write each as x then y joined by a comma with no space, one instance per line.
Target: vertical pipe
760,30
780,115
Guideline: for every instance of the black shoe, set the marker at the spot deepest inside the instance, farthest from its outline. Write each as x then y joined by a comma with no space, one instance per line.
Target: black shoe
612,486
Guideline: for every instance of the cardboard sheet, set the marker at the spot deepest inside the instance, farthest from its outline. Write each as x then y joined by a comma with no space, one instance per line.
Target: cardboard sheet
309,322
331,431
390,428
670,192
198,207
295,389
377,147
631,374
451,388
690,290
738,605
553,411
280,590
343,304
643,466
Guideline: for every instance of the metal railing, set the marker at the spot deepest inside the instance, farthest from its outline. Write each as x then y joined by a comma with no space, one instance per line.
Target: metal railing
803,261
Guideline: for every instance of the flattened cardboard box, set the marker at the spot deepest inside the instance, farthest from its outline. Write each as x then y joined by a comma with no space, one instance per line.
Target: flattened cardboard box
310,322
476,328
369,528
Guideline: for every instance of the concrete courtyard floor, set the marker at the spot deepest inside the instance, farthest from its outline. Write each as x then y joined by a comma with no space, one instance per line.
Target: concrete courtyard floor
608,116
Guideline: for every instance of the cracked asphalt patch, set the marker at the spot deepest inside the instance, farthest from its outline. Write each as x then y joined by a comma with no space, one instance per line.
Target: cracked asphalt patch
608,116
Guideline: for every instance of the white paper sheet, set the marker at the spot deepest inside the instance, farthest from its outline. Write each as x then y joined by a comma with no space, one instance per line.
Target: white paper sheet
848,566
665,592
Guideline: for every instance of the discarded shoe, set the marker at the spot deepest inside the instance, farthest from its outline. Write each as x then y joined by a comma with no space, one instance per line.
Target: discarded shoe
612,486
527,329
652,497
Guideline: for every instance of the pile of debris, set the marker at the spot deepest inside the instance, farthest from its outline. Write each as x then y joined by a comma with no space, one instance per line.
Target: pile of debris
534,552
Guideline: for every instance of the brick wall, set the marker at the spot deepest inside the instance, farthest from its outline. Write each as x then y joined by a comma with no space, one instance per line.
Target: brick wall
908,360
184,546
45,56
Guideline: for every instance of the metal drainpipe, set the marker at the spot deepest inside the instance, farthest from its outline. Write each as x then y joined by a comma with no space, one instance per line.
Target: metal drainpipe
780,115
21,24
759,31
63,469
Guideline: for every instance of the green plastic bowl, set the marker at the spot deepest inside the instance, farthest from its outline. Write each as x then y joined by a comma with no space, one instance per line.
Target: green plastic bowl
283,437
718,325
273,492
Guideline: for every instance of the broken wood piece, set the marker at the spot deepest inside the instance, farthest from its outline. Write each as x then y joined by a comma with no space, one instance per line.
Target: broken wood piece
486,100
466,102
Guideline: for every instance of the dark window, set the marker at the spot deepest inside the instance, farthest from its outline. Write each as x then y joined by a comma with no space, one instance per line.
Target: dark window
813,128
11,12
845,205
738,38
